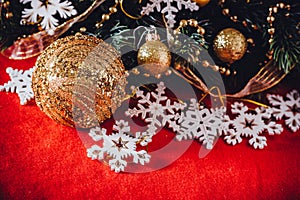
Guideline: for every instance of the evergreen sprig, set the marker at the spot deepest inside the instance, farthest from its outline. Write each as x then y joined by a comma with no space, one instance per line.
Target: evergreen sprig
286,41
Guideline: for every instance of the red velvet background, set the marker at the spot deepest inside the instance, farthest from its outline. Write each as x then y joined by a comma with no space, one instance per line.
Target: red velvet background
40,159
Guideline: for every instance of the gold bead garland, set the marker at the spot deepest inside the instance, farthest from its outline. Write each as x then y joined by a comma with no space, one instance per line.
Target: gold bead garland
106,17
234,18
112,10
190,22
271,18
75,80
5,4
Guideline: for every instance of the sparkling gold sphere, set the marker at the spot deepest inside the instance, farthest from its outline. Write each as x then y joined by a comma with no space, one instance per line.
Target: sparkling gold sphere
230,45
155,57
75,79
201,3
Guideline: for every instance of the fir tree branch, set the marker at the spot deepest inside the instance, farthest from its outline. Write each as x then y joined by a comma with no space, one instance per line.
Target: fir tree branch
286,41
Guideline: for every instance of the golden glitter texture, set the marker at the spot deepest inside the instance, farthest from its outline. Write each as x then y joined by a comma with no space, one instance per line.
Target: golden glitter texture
154,57
230,45
201,3
75,79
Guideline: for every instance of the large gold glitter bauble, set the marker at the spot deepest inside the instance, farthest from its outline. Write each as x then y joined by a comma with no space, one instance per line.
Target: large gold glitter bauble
201,3
230,45
154,57
77,81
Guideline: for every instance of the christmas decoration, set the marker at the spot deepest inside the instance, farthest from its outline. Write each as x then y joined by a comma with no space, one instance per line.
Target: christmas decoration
154,56
288,54
75,74
288,108
203,124
20,83
45,11
169,10
252,125
208,124
201,3
116,147
230,45
157,113
34,44
80,80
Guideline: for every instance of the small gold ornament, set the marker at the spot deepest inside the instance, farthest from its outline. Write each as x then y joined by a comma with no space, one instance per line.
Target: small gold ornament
230,45
155,57
201,3
75,79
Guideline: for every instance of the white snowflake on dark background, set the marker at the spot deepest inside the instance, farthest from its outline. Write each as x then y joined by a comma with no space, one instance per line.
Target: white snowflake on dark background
46,10
288,108
169,9
20,83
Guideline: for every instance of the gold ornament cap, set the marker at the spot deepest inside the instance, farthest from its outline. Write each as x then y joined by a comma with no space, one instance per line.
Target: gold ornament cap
230,45
75,78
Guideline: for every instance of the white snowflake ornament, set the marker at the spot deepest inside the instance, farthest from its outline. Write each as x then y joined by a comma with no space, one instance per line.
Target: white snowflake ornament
157,110
116,147
252,125
288,108
20,83
169,9
46,10
203,124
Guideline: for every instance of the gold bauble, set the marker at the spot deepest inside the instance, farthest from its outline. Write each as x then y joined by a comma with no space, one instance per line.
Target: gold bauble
155,57
230,45
201,3
75,80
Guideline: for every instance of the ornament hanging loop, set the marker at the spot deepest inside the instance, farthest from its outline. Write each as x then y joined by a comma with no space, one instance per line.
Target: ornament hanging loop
149,34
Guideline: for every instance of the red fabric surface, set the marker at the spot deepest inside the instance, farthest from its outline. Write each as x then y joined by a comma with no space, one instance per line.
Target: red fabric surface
40,159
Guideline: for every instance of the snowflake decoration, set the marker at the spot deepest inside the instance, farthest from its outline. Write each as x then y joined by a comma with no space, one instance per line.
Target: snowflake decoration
20,83
252,125
44,12
221,40
117,146
169,9
289,108
203,124
156,109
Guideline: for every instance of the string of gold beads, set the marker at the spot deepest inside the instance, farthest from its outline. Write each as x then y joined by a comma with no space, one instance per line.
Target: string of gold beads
271,18
190,22
137,72
222,70
234,18
5,4
106,17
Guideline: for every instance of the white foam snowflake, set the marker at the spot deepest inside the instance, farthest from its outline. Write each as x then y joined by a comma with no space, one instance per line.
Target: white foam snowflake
252,125
20,83
203,124
169,9
118,146
157,110
288,108
46,10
